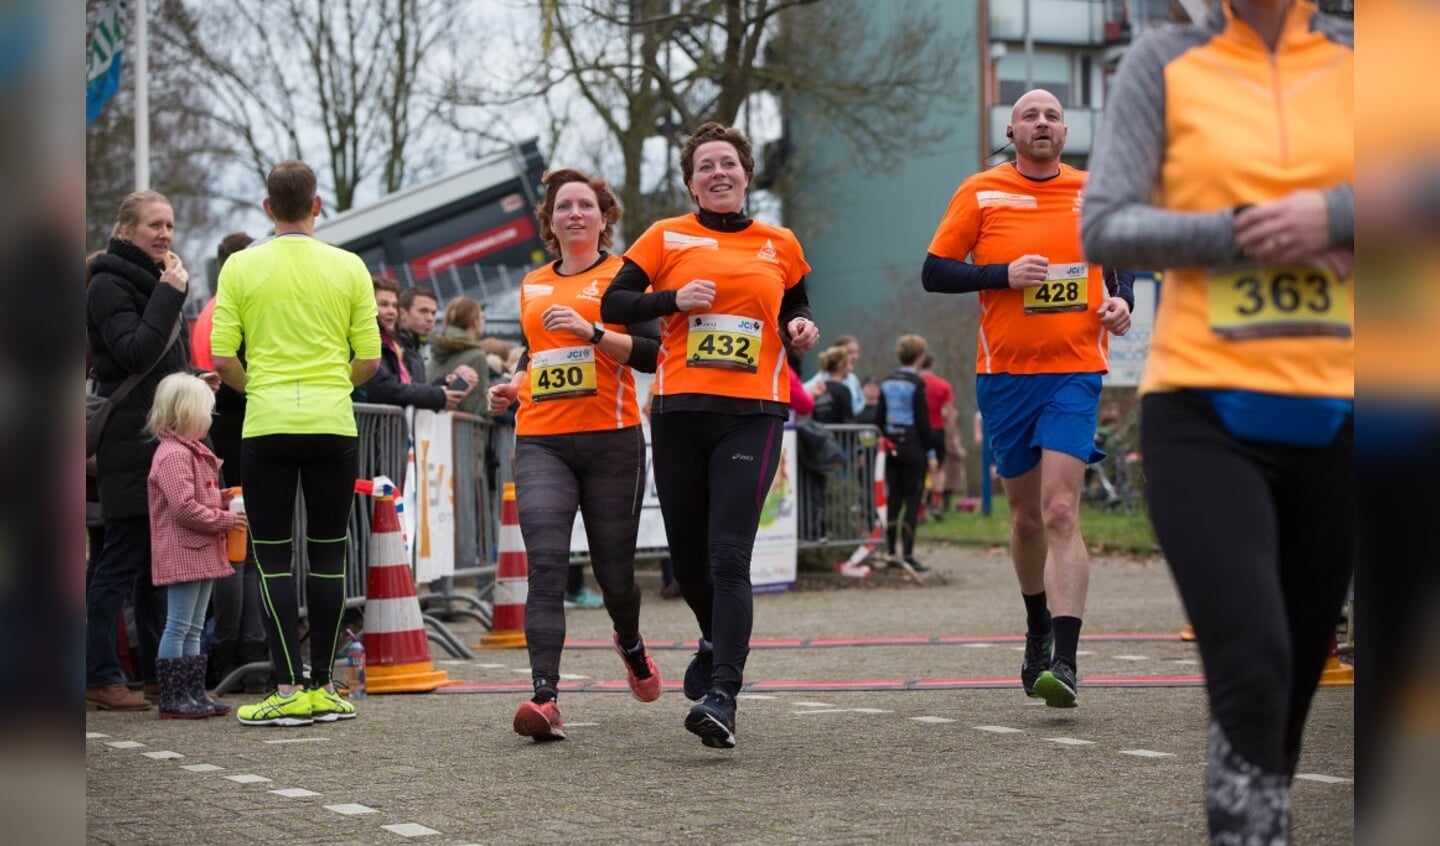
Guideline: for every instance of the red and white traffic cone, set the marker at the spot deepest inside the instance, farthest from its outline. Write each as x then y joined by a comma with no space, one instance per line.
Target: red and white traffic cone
397,652
512,580
1336,673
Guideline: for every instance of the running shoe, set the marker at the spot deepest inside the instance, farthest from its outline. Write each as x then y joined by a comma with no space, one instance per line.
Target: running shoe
1039,652
584,598
277,710
916,565
644,675
327,707
1058,685
714,720
699,674
540,720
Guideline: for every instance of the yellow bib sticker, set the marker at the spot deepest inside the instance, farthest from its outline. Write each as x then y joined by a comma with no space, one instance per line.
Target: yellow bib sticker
1066,288
1279,302
563,373
722,340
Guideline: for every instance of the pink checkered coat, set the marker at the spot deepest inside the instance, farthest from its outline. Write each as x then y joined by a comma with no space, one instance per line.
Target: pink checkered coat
187,521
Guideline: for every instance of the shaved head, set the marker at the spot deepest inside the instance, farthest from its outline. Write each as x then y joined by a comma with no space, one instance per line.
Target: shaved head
1037,97
1037,128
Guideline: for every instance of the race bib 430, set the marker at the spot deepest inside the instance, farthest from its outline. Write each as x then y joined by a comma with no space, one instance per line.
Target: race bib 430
722,340
562,373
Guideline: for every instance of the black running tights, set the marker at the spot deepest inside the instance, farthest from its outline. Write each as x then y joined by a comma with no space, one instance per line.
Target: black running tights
325,468
602,474
1261,541
713,472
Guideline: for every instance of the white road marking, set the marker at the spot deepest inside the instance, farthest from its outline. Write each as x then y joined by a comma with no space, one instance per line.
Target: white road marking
756,696
821,711
932,720
871,711
813,705
1131,657
202,768
581,725
572,677
492,666
977,645
1070,741
453,662
125,744
300,740
350,809
1325,779
246,778
1188,661
1146,753
1080,652
294,792
95,735
161,756
410,829
998,729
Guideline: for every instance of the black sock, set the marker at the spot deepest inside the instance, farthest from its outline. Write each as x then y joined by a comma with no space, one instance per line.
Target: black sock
890,540
544,692
1037,614
1067,638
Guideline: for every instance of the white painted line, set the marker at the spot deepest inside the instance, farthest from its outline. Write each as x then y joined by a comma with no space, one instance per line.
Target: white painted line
95,735
1188,661
1080,652
998,729
1070,741
300,740
125,744
821,711
572,677
351,809
977,645
1324,779
491,666
453,662
580,725
294,792
932,720
525,670
247,778
202,768
1146,753
161,756
1131,657
410,829
813,705
756,696
1022,649
871,711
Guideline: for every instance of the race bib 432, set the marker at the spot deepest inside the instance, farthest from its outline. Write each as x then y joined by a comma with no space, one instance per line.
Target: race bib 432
722,340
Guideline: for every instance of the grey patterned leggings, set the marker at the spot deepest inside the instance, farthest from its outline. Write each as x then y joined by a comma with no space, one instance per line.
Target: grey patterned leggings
603,475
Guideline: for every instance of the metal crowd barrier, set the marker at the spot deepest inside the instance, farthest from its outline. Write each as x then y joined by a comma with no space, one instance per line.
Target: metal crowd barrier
838,508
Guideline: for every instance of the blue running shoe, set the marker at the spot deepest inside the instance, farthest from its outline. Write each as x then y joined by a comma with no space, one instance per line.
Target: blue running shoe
714,720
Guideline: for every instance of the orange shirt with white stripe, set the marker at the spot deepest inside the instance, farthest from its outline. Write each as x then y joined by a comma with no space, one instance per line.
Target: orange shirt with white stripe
571,385
732,349
999,215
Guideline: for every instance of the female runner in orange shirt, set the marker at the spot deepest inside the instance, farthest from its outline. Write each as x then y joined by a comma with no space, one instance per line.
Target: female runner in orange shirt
578,439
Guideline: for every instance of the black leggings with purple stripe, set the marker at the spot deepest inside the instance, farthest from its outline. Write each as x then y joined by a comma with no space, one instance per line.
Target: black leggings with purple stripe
712,472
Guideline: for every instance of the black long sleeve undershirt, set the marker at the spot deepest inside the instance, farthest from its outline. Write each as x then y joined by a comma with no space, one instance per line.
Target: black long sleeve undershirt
948,276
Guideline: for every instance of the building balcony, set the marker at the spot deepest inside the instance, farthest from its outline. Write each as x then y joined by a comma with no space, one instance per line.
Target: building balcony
1083,124
1081,22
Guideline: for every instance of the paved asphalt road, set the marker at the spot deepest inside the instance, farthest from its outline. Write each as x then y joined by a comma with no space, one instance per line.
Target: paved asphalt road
911,730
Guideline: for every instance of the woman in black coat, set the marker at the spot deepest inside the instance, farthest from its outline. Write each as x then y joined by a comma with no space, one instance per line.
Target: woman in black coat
132,304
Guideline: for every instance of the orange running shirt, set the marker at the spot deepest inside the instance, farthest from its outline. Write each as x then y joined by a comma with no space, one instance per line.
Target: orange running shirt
733,348
571,385
998,216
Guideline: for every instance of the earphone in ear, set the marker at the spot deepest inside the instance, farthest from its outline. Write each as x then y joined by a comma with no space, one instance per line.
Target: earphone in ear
1009,133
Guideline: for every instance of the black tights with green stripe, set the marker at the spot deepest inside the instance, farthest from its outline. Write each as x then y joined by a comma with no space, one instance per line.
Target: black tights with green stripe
324,467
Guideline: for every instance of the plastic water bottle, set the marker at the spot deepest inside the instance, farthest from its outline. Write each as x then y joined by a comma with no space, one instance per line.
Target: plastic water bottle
355,666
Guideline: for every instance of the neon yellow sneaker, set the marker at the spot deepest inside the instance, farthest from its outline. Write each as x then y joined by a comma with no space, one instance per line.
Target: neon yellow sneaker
327,707
277,710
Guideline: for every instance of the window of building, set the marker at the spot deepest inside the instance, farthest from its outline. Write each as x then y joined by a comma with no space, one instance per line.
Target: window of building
1051,71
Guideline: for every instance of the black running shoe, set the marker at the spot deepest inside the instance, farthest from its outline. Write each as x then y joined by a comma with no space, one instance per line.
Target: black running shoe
1058,685
714,720
1039,650
916,565
699,674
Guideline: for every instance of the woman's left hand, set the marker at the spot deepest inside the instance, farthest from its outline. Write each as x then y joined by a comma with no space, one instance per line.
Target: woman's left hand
1295,227
804,334
558,318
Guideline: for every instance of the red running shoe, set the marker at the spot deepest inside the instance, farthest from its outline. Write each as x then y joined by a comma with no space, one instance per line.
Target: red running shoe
540,721
644,675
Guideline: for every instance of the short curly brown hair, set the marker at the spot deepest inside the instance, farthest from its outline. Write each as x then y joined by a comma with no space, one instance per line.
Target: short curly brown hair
610,209
712,131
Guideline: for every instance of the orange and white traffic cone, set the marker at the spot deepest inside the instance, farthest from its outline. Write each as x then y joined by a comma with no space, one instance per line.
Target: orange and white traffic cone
512,580
1187,633
397,652
1336,674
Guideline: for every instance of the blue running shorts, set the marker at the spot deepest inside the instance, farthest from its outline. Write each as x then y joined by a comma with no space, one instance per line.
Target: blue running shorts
1026,413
